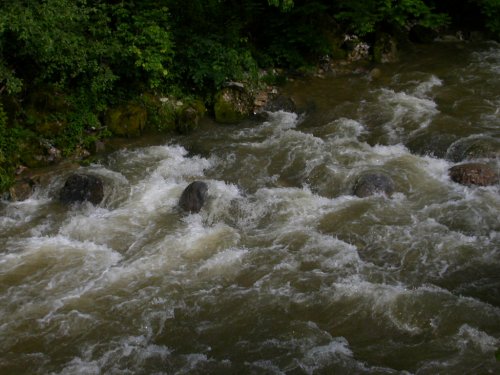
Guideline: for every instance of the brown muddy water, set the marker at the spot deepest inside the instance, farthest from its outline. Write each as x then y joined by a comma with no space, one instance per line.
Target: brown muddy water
283,271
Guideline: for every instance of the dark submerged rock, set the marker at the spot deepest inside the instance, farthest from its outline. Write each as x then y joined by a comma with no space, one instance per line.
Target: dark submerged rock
82,187
473,174
477,147
280,103
431,143
373,183
193,197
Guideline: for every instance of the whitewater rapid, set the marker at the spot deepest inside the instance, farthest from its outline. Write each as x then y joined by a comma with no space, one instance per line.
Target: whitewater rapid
284,270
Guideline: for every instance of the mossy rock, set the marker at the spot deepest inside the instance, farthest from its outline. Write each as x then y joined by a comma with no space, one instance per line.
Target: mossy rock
232,105
127,120
385,49
188,116
160,113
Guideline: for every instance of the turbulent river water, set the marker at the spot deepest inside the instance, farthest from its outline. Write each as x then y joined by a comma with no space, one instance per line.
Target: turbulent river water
284,270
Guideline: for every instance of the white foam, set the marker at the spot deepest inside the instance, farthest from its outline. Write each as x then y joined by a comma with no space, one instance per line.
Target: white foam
321,357
116,359
225,263
221,196
410,112
348,128
59,246
285,209
60,269
470,336
424,88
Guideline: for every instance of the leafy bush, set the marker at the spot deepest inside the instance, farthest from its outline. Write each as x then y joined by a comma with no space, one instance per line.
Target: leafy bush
364,17
491,9
292,38
7,148
92,52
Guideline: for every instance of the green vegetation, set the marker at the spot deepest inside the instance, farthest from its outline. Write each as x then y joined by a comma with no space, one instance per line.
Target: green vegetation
491,11
364,17
72,70
4,151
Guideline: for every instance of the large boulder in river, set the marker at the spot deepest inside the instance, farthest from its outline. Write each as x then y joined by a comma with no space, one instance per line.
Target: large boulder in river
431,143
371,183
193,197
233,104
82,187
474,147
473,174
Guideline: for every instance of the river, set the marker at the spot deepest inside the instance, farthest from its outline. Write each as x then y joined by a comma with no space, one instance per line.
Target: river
284,270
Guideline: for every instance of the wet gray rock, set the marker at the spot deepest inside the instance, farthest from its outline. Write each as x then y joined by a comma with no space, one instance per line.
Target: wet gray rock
373,183
82,187
280,103
431,143
473,174
194,196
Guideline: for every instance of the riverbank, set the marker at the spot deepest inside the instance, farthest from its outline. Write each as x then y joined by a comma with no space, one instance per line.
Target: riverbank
40,142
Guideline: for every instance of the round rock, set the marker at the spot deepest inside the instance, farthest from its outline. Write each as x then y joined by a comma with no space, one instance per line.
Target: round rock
473,174
194,196
373,183
82,187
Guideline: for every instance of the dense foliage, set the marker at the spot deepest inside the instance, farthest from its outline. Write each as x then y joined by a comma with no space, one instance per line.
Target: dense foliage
64,63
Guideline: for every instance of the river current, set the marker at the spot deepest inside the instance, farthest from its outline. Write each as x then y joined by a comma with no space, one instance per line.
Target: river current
284,270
